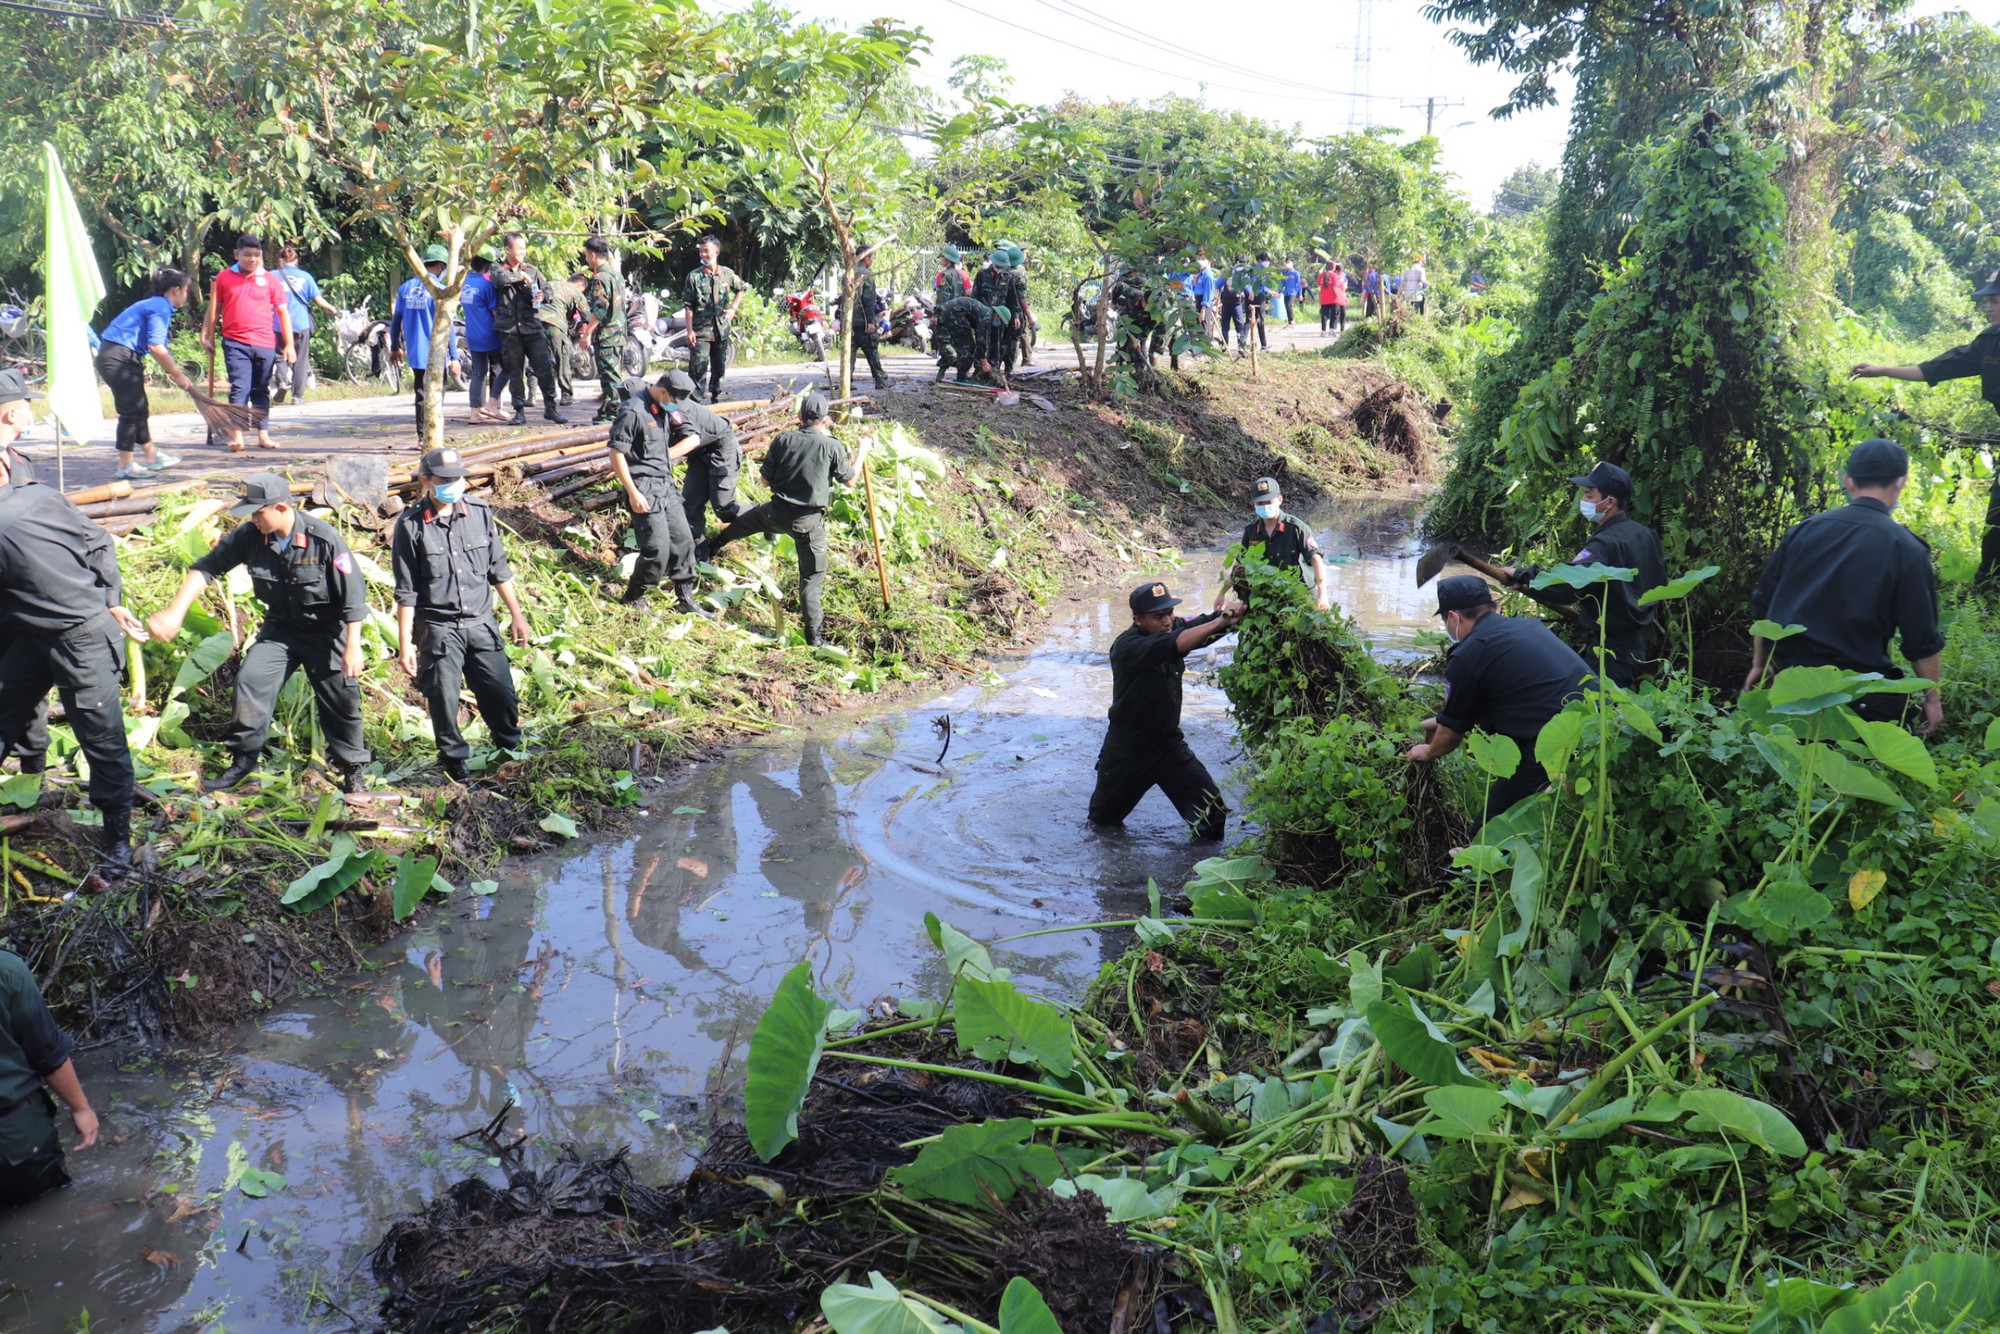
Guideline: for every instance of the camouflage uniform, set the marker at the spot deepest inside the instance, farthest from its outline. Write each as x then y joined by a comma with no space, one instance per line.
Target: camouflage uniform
604,303
964,325
868,306
560,302
707,295
1014,296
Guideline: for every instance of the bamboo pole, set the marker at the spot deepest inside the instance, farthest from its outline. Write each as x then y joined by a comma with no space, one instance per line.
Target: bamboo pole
874,521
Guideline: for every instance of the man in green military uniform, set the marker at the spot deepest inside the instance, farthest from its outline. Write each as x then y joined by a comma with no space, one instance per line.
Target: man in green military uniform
520,293
868,307
1014,296
34,1059
604,328
964,326
952,281
801,466
642,457
314,604
1980,357
449,562
710,298
562,314
714,457
1619,542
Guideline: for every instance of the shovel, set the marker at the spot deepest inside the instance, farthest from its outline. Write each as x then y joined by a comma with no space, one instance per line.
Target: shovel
1434,560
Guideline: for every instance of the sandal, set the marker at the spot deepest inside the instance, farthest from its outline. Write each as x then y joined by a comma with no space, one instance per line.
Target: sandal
131,473
162,462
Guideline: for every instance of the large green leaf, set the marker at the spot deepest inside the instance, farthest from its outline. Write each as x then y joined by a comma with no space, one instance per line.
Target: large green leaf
1412,1041
879,1309
963,956
1773,632
1894,747
970,1161
1525,889
203,661
1459,1111
1747,1119
1582,576
1675,589
1496,755
1793,905
413,880
995,1022
340,872
784,1053
1126,1199
1661,1107
1557,740
1960,1292
1851,778
1022,1310
1803,690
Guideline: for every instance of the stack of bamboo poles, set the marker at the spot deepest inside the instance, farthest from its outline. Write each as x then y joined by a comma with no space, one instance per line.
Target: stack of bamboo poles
561,463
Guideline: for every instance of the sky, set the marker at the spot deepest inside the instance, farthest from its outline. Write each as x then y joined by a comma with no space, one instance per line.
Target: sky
1287,61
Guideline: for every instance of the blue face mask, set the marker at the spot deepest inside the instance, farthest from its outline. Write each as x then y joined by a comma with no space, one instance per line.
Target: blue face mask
449,493
1588,509
1267,511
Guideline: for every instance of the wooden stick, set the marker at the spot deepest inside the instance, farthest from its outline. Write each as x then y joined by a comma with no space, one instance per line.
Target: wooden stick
874,522
91,495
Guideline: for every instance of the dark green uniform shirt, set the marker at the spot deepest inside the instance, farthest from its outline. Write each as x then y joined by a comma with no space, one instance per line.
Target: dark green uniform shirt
1979,357
57,568
639,432
31,1049
689,418
1146,675
803,465
988,283
559,302
966,315
1509,676
604,302
1623,543
707,293
448,566
1853,577
307,581
518,295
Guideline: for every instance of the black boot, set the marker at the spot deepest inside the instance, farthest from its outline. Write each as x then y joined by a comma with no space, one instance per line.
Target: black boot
635,592
554,414
34,764
238,770
684,602
520,416
352,781
115,842
455,770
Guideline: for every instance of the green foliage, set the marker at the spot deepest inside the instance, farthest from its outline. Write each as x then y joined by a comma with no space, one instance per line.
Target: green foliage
1900,279
879,1309
784,1052
970,1164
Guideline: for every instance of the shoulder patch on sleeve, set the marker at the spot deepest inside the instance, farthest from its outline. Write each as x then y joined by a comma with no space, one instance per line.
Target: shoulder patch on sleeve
1582,555
342,563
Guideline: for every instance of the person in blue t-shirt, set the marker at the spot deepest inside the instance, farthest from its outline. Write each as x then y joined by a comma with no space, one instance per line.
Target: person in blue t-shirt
410,330
141,328
1204,286
482,344
301,295
1294,291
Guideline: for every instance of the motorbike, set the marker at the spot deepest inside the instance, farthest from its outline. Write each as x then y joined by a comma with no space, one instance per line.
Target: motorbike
364,347
807,324
910,324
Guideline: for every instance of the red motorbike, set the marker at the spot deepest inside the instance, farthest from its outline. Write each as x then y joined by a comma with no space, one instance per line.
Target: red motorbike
808,326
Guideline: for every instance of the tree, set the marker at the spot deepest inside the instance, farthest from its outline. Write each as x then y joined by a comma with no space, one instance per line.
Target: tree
1527,190
466,121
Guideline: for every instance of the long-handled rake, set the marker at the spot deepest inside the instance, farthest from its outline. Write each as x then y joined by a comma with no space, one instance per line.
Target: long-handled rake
231,419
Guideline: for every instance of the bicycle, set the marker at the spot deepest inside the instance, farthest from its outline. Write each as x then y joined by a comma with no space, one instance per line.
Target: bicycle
23,344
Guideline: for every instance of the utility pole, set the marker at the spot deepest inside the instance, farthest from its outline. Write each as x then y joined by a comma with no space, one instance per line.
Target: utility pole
1431,106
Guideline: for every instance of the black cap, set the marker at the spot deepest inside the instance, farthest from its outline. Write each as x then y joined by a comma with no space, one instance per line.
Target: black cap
635,386
814,408
1151,597
249,242
678,384
1461,591
1609,478
261,489
13,386
444,464
1991,287
1266,492
1878,461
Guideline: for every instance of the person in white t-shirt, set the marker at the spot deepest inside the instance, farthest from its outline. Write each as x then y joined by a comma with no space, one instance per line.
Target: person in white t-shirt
1414,283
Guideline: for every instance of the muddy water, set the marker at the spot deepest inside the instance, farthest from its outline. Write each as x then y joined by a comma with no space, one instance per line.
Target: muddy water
611,991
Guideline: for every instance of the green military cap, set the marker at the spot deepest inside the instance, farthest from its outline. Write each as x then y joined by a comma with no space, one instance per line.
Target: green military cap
436,254
951,254
1005,315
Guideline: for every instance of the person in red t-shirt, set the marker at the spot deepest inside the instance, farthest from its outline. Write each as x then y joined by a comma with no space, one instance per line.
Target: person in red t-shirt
256,332
1332,299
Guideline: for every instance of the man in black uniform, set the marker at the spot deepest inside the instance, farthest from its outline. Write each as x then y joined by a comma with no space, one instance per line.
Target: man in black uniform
643,459
1621,542
519,290
1288,544
1144,747
1505,675
713,461
34,1058
964,326
1854,577
1979,357
314,604
449,561
868,308
64,627
801,466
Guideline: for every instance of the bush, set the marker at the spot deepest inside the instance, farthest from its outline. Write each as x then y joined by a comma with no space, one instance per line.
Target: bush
1898,277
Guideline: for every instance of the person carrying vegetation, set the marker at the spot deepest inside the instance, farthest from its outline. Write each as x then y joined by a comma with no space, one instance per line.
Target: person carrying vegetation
1854,578
1288,544
314,603
59,612
1618,542
141,329
710,298
410,326
34,1059
642,457
713,459
449,562
964,325
1506,675
519,290
604,327
1980,357
1144,746
801,467
256,328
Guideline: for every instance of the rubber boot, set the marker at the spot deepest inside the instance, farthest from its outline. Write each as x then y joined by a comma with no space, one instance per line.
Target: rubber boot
635,592
115,840
684,601
353,781
520,417
238,770
552,413
455,770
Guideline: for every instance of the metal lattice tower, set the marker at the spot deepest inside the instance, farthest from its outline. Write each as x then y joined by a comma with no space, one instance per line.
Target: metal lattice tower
1364,50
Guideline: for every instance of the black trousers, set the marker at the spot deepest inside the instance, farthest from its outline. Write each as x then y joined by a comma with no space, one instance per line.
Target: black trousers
421,377
124,374
710,483
808,530
1233,318
1529,779
708,358
454,653
277,652
666,547
1989,544
1333,317
488,375
83,663
866,344
1128,770
525,348
41,1171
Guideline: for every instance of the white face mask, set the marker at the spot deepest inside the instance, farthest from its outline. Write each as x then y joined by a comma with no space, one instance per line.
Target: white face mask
1267,511
1588,510
1448,631
449,493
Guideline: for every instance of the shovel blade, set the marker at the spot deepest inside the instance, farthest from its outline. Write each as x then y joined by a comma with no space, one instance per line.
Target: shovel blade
1435,560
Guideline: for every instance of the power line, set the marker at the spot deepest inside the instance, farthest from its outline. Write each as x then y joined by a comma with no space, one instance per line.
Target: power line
95,14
